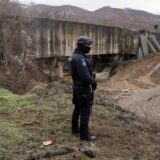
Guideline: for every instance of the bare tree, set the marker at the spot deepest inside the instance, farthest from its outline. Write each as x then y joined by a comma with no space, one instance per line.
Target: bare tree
15,46
14,40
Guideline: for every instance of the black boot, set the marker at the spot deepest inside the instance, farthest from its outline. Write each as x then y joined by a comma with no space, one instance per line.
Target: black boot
89,137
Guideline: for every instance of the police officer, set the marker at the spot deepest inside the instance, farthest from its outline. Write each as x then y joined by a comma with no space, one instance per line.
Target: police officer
83,84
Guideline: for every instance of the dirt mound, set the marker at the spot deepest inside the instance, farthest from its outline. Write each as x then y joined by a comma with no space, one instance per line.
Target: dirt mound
136,75
141,81
140,67
20,78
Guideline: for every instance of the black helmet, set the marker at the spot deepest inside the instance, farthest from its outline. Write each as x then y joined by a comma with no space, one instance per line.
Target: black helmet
84,40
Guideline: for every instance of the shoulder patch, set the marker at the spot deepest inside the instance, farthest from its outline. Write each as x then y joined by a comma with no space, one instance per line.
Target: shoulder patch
70,59
84,64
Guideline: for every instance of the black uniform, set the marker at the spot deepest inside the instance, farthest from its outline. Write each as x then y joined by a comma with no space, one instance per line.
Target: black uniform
82,97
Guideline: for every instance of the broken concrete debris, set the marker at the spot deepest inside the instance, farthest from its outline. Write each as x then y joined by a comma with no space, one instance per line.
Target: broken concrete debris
154,42
143,41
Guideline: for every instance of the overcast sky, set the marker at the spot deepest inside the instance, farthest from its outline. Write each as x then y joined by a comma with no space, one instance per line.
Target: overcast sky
147,5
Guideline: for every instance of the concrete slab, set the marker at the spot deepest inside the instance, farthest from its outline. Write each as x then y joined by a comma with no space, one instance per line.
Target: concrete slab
140,53
154,42
143,40
151,47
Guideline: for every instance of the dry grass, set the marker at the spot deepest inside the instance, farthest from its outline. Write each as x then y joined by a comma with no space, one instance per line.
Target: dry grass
29,121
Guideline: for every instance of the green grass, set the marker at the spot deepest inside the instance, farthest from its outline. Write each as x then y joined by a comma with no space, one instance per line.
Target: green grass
12,136
10,101
42,114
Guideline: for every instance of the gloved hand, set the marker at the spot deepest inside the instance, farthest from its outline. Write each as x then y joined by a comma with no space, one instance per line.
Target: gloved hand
94,86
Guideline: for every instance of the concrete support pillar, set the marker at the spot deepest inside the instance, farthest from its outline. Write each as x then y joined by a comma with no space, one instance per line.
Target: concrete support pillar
60,69
52,68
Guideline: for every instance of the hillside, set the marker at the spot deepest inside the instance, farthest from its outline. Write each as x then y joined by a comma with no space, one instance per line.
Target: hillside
44,113
125,118
128,130
128,18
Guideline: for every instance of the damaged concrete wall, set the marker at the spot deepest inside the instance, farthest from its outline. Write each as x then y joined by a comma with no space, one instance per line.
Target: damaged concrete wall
58,38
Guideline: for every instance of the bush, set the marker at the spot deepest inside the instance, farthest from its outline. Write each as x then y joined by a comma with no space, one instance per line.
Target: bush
16,49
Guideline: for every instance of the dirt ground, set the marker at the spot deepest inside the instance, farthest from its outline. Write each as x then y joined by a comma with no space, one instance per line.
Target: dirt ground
125,118
44,113
135,85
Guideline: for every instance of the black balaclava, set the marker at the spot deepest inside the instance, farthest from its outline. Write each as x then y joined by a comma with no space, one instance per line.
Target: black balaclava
83,48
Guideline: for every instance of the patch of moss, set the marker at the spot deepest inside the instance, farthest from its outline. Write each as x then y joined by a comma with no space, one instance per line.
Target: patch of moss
2,75
4,92
9,101
37,88
26,100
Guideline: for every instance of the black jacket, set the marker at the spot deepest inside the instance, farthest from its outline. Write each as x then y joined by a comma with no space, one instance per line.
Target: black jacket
81,70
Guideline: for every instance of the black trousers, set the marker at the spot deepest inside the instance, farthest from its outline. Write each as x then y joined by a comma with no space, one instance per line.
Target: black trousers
82,101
